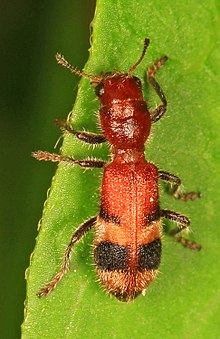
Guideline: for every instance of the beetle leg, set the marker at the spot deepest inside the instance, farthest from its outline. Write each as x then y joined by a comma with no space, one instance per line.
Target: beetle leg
183,223
77,235
176,187
86,163
90,138
161,109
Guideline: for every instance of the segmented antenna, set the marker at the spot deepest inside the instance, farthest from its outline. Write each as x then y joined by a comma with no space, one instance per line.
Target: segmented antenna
146,43
62,61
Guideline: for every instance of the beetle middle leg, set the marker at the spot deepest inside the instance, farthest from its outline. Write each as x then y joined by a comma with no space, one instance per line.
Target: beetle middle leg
53,157
175,181
83,229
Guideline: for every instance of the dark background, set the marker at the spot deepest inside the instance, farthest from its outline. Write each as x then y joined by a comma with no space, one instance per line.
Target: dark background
34,91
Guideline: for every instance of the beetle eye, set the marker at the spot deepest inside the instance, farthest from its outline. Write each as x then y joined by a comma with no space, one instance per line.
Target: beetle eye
138,81
99,89
108,73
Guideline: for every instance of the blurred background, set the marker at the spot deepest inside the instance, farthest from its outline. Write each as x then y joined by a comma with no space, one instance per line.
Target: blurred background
34,91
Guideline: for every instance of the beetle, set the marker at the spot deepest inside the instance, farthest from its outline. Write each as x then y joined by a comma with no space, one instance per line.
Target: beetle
128,227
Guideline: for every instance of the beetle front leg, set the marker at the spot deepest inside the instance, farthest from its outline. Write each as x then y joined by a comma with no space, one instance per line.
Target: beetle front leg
176,187
90,138
161,109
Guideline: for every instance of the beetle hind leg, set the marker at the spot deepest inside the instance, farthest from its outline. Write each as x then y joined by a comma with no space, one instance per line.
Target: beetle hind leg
183,223
77,235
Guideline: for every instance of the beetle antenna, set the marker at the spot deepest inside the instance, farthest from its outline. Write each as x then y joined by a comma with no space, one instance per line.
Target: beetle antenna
146,43
62,61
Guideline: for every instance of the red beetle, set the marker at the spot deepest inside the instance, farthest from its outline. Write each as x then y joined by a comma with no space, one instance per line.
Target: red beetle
128,227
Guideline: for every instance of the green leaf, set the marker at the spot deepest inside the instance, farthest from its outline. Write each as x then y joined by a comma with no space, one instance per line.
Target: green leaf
183,302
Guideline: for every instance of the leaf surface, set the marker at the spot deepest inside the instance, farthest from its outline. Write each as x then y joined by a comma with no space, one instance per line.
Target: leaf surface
183,302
